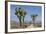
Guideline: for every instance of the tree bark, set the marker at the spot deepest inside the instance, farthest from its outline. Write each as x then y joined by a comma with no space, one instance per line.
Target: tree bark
20,20
23,21
33,21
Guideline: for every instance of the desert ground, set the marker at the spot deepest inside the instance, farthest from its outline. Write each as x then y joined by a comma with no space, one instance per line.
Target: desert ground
15,25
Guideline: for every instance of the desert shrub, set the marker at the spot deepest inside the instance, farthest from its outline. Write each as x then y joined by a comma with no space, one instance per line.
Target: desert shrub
39,25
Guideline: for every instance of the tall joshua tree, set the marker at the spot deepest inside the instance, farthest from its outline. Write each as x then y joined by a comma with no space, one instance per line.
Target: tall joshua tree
23,13
33,16
18,12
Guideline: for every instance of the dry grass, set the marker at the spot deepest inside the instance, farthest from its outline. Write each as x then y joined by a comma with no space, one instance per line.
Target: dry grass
17,26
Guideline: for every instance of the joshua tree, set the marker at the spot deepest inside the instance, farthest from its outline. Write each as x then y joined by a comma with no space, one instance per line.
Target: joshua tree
20,13
33,16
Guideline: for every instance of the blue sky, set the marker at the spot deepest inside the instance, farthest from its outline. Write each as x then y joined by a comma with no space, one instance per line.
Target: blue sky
29,9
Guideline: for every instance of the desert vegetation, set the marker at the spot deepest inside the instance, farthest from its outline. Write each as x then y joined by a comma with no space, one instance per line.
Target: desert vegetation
21,13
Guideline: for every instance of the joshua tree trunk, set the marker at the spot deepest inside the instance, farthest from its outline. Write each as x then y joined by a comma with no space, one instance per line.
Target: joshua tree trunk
20,20
33,21
23,21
